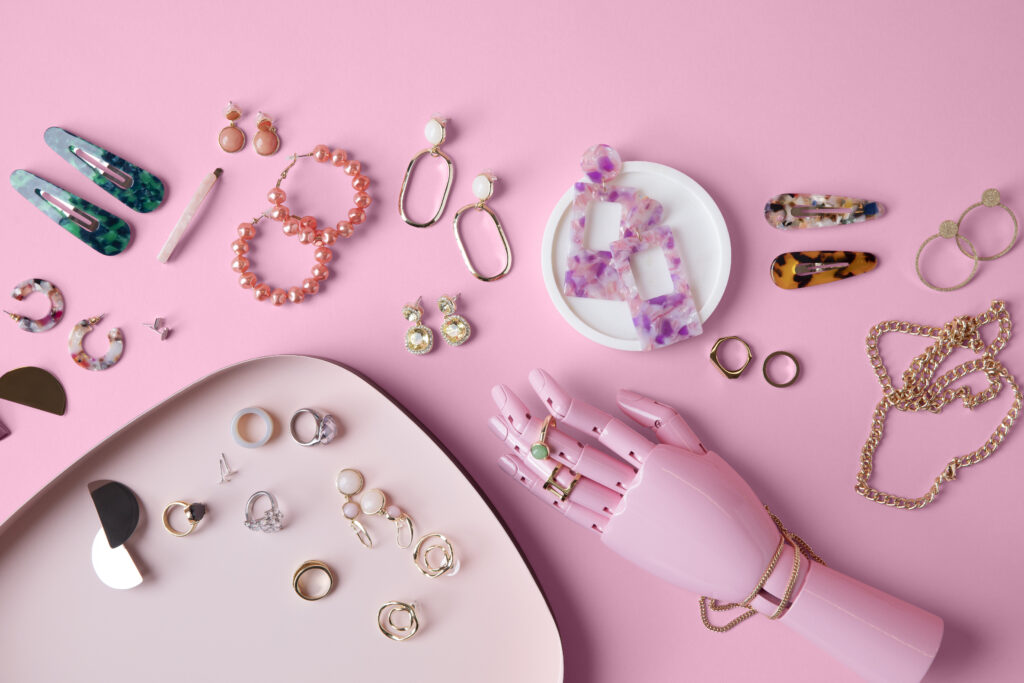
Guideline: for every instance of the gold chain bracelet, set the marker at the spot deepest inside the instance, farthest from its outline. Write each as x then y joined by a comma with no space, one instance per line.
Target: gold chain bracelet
919,392
800,548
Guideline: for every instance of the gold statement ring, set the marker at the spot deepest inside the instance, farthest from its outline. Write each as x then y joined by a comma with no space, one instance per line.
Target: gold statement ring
308,566
194,513
387,620
731,374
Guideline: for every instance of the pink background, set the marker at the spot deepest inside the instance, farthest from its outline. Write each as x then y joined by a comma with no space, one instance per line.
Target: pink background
916,105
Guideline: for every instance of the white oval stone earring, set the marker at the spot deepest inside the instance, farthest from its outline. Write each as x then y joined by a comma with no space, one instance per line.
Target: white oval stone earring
350,483
374,502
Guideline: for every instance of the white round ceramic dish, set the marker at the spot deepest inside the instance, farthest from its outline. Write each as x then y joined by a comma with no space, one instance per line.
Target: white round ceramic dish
699,229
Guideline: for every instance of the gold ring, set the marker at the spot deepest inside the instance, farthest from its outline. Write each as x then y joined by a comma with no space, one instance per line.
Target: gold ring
421,556
560,492
787,354
395,631
194,512
307,566
540,449
731,374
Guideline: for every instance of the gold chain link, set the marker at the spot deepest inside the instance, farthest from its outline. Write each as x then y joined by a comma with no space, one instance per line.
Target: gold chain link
800,548
919,392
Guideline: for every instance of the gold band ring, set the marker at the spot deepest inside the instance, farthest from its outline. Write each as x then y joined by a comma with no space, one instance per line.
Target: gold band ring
787,354
308,566
194,512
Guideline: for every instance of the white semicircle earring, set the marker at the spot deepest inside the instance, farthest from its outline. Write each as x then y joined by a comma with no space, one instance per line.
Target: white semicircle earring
83,359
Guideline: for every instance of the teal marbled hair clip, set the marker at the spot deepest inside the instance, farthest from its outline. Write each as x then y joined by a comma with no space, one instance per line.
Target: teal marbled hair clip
101,230
136,188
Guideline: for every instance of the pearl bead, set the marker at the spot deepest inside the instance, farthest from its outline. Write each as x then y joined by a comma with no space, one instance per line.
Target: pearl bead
394,512
246,231
280,213
231,139
239,246
291,226
339,157
345,229
353,167
265,141
247,280
240,264
373,501
483,186
320,272
308,223
277,196
350,482
328,236
350,509
356,216
321,153
307,236
434,132
261,291
323,255
360,182
296,295
362,200
310,286
278,296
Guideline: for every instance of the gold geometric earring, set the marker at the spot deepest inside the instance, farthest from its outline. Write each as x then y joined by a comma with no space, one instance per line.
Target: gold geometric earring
455,329
231,138
419,339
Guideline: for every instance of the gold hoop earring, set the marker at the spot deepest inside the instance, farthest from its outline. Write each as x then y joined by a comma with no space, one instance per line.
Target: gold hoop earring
483,189
435,132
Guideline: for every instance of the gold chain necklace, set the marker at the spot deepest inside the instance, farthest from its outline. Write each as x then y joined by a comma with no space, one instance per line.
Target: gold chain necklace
919,392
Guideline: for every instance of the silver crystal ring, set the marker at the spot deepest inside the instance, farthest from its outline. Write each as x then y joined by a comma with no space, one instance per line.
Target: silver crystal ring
270,521
326,428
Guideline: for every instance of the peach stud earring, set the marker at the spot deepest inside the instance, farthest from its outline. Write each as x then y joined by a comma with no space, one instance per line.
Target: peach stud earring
231,138
265,141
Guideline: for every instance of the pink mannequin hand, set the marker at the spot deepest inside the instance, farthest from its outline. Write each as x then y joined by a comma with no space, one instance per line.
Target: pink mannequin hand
682,513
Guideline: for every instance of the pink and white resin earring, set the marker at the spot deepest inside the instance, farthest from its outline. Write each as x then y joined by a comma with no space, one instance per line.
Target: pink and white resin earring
265,141
83,359
231,138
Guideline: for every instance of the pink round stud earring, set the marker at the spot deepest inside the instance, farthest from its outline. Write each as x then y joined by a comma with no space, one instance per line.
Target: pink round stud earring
265,141
231,138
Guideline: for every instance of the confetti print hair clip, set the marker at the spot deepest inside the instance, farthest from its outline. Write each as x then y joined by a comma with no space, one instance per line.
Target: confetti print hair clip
803,211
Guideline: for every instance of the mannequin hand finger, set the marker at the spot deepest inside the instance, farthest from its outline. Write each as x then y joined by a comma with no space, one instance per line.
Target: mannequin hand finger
578,414
587,460
571,507
596,494
510,407
670,427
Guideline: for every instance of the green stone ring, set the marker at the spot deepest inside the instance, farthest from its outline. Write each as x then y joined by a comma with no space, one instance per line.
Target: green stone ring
540,449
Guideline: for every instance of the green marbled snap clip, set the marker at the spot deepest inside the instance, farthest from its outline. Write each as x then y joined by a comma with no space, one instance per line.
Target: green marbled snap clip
135,187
